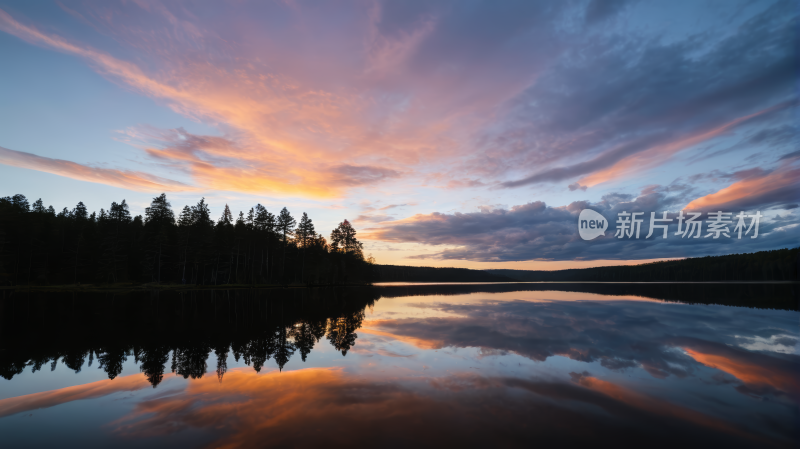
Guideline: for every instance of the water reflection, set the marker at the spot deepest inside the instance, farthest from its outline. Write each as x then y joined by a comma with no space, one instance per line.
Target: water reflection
663,341
254,325
423,365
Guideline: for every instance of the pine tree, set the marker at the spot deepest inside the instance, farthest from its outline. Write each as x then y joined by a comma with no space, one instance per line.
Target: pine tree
119,213
160,212
227,217
305,235
38,207
344,238
202,237
305,230
159,224
185,224
80,212
265,224
286,224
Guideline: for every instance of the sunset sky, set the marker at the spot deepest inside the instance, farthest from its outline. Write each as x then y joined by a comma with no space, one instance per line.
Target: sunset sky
458,133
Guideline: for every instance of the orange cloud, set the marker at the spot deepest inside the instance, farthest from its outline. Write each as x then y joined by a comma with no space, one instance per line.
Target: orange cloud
659,153
782,184
289,408
52,398
291,138
747,371
330,407
417,342
125,179
656,406
317,406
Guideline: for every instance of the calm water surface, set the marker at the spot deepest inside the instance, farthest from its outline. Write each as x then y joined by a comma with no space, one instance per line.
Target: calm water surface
507,365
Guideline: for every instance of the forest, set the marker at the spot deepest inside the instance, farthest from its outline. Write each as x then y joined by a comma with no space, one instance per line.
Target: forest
400,273
775,265
39,246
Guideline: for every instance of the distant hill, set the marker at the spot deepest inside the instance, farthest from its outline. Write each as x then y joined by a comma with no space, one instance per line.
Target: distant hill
399,273
777,265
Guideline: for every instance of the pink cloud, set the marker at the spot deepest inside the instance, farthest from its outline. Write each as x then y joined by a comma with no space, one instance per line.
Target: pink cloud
318,99
91,390
125,179
757,189
358,115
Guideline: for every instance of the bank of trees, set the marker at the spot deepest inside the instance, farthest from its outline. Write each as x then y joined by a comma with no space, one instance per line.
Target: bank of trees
775,265
39,246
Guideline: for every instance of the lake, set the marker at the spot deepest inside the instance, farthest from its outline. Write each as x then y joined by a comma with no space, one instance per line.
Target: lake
402,365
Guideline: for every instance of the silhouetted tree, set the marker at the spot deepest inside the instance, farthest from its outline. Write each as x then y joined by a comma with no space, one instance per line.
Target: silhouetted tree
152,359
111,360
40,246
343,238
305,235
284,349
286,224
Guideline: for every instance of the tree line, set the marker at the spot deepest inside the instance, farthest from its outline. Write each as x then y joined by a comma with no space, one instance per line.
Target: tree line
775,265
39,246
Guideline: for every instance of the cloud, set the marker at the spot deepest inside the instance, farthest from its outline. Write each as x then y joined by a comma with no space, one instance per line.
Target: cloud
377,218
375,104
599,10
760,374
575,186
756,189
618,335
126,179
351,175
621,104
315,100
392,206
535,231
247,409
273,121
91,390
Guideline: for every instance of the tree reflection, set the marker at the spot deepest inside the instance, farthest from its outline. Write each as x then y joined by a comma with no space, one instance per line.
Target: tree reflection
152,359
221,351
304,336
284,350
341,332
177,332
191,360
259,350
111,360
256,326
74,359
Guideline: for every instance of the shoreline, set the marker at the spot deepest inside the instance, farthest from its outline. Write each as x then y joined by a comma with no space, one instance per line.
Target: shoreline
151,287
